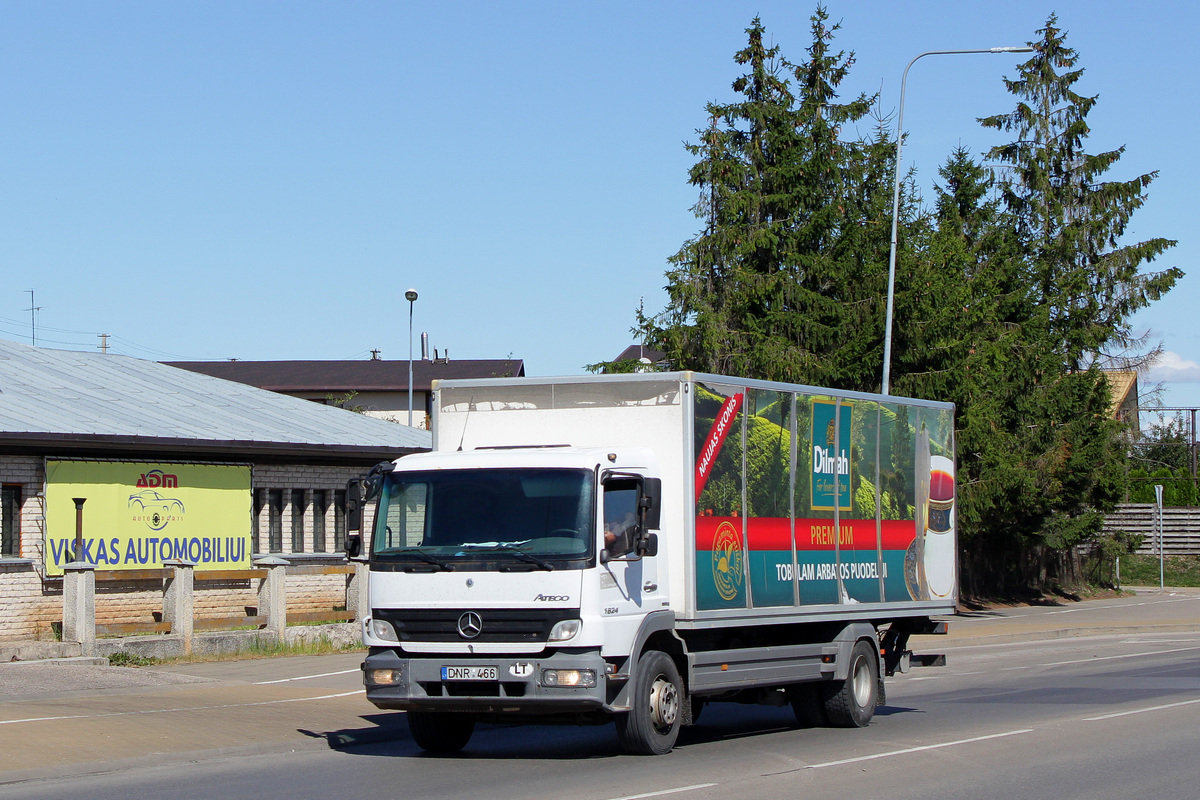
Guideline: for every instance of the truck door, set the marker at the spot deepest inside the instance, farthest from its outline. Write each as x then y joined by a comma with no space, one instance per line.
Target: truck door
630,581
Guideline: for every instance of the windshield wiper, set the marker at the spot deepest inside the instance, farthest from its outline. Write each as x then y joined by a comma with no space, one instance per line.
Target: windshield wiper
530,558
521,555
428,559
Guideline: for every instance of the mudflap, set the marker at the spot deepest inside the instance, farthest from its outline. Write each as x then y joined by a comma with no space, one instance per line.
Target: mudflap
894,645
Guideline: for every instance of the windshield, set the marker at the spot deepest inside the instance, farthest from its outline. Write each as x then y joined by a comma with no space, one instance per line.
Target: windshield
507,519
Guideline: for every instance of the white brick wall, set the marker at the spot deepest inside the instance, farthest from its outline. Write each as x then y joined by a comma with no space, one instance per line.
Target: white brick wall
307,478
26,471
29,604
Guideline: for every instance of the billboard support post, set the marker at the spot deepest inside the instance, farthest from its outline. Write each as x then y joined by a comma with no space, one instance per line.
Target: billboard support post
178,601
79,606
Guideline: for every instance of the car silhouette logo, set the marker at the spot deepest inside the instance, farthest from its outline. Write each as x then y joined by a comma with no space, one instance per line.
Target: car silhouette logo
158,510
470,625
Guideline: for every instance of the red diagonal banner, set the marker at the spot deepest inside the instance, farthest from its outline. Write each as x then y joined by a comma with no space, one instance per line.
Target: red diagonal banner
716,437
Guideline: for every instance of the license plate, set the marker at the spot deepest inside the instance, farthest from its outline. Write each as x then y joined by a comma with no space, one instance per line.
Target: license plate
469,674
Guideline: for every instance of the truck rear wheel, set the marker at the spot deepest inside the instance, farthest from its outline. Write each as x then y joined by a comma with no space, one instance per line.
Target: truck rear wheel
652,724
440,733
851,703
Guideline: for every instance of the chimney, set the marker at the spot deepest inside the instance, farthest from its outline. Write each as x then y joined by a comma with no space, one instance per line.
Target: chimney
425,346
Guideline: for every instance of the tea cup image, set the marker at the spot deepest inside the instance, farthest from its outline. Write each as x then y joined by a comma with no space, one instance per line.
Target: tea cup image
941,494
939,555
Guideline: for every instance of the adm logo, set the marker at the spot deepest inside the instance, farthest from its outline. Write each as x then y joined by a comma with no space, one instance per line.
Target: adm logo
156,478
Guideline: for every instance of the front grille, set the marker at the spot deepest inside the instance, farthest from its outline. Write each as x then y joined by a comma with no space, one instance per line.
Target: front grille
473,688
519,626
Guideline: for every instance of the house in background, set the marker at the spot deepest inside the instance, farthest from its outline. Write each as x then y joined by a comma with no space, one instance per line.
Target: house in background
378,388
638,358
1123,386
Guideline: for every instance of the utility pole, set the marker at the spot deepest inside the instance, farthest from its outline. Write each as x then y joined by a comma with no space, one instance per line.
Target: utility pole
103,341
1193,447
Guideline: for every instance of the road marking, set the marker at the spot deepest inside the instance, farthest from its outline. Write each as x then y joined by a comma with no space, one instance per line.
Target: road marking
907,750
306,677
176,710
1113,658
1175,599
1141,710
666,791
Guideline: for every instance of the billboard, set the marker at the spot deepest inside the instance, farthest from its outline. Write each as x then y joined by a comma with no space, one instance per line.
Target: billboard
139,514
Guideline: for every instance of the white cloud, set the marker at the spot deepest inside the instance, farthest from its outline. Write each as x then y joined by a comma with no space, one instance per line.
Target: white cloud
1174,368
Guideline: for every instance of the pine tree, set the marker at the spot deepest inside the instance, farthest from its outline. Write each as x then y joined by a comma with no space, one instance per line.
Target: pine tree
783,283
1050,455
1087,282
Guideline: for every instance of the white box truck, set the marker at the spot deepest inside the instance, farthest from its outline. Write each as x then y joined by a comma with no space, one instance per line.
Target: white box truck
629,548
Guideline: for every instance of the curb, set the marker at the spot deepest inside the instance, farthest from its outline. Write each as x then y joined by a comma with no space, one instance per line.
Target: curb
69,661
1062,633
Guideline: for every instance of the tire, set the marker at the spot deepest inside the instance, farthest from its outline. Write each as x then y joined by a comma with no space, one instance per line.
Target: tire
807,704
851,703
440,733
652,724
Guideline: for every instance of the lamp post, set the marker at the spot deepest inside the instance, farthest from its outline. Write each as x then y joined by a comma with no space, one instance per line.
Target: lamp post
891,291
411,297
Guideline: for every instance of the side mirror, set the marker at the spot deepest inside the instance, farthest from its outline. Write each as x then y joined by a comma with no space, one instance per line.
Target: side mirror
354,517
354,504
649,545
650,503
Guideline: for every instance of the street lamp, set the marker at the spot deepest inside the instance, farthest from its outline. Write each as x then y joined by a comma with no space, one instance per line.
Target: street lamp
411,297
891,291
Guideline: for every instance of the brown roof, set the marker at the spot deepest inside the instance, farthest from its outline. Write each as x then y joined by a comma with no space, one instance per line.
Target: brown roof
636,352
347,376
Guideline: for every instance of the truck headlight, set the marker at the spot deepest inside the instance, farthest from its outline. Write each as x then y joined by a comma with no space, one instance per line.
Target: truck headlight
383,677
569,678
565,629
383,630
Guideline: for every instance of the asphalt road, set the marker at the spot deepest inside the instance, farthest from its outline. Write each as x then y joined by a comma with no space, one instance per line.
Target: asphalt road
1111,715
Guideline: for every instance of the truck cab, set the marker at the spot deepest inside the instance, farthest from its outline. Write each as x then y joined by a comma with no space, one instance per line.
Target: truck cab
510,581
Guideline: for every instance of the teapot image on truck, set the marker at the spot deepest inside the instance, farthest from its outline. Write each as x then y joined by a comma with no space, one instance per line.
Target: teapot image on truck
630,548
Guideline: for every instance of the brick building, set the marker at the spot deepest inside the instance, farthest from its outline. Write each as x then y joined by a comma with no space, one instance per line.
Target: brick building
170,464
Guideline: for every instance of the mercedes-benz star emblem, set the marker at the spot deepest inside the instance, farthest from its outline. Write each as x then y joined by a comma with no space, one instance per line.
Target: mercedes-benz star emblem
470,625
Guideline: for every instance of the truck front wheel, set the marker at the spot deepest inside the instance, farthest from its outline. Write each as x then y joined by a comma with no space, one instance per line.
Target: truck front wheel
652,724
440,733
851,703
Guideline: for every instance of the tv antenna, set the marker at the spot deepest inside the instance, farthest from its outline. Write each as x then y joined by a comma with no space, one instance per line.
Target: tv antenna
33,309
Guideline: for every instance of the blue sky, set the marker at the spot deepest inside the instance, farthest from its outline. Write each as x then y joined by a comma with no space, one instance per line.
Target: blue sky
264,180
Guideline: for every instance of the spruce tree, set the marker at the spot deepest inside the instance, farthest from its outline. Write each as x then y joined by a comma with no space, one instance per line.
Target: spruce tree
1087,281
1083,283
784,280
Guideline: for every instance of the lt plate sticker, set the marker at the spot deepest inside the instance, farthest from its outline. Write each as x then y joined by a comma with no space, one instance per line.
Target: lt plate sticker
521,669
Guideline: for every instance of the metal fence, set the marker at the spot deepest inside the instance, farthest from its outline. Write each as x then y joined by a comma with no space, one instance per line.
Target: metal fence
1181,527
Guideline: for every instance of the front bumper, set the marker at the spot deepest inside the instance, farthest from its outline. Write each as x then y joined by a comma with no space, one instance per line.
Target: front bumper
417,683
